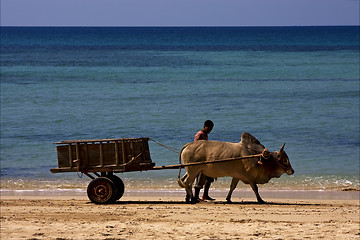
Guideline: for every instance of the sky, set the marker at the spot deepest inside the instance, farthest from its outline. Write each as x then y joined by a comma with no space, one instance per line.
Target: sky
179,12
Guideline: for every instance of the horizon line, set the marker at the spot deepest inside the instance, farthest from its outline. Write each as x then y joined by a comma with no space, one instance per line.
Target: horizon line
179,26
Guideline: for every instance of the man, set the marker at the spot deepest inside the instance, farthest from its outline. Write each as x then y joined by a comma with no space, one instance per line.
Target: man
201,178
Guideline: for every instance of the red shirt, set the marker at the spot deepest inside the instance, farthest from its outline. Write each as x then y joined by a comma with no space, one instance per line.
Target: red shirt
200,135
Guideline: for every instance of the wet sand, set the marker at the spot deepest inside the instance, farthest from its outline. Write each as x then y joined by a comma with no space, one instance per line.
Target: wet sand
139,216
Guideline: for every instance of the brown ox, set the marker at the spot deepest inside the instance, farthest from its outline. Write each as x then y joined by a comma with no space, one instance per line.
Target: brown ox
247,170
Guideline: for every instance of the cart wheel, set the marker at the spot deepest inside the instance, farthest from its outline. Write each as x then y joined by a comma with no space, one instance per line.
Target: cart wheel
120,187
101,190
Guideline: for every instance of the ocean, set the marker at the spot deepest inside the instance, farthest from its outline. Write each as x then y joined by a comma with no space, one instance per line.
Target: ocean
293,85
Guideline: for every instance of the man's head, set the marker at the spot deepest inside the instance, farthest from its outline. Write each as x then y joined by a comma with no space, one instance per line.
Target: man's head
208,126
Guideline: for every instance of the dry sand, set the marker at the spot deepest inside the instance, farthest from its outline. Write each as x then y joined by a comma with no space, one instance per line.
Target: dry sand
150,217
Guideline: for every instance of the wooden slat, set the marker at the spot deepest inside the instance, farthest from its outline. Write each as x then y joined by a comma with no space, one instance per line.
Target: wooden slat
117,153
132,149
142,150
70,156
58,170
78,155
86,157
146,150
101,149
123,152
100,140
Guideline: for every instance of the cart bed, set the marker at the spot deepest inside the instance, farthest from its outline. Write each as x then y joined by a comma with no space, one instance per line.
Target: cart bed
104,155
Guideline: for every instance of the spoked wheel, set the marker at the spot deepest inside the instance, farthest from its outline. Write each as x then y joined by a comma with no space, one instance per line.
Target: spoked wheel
120,187
101,190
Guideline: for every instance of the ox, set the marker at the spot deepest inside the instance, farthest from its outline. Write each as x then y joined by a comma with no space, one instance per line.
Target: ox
248,170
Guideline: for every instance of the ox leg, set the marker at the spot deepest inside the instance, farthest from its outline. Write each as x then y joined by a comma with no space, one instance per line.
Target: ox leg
188,187
233,185
256,191
189,194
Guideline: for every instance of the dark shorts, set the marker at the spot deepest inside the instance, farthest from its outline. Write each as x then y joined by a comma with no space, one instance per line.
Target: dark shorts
201,179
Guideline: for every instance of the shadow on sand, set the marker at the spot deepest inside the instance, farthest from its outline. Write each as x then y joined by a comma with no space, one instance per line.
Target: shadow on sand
242,203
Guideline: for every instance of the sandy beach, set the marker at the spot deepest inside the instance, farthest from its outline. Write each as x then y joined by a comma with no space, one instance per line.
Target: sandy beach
168,217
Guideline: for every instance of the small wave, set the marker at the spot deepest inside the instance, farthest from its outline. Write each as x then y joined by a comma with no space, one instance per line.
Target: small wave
321,183
350,190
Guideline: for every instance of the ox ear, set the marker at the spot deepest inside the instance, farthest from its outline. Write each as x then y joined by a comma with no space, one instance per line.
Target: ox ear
282,147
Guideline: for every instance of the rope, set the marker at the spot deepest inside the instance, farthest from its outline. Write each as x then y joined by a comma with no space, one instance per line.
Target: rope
80,176
169,148
174,150
133,159
78,168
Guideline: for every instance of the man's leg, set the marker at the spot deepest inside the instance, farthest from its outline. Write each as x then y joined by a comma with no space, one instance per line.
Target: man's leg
208,182
199,183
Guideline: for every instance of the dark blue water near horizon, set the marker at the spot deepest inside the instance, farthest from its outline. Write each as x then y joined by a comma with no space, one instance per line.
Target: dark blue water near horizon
298,85
188,38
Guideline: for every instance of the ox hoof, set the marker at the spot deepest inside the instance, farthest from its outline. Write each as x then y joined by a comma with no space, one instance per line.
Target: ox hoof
228,201
192,200
261,201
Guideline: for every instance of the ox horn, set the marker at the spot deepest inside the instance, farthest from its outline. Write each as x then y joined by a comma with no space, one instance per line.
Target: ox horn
282,147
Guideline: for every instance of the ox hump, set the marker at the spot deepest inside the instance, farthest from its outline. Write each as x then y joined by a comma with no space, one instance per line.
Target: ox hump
250,141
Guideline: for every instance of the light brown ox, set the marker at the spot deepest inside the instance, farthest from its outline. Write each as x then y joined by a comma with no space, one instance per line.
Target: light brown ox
247,170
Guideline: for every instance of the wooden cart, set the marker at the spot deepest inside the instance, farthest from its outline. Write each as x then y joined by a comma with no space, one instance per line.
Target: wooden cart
102,158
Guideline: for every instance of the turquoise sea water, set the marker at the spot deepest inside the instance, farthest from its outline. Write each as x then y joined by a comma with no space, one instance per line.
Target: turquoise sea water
298,85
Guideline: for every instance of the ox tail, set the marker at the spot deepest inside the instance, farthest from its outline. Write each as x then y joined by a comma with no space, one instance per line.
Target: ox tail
181,180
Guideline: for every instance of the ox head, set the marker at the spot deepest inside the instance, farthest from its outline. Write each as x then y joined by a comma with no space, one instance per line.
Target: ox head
283,160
